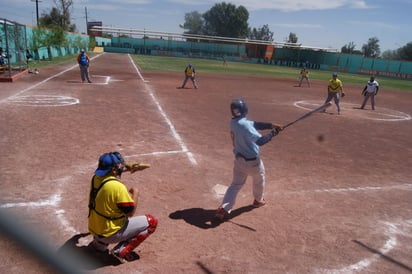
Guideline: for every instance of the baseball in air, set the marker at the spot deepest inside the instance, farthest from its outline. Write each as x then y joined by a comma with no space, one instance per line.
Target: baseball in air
182,26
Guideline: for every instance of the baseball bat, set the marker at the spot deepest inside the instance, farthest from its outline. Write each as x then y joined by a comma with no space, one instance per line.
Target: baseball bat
322,107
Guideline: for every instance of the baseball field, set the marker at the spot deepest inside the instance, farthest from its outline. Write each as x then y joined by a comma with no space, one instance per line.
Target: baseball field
338,190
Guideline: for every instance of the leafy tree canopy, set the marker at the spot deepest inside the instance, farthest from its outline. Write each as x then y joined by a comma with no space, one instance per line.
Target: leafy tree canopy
262,33
371,48
225,19
59,16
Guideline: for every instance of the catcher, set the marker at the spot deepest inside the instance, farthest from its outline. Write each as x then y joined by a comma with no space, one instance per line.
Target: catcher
335,91
190,73
112,206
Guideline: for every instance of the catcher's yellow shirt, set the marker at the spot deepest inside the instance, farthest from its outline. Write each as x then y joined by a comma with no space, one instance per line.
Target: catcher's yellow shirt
335,85
110,197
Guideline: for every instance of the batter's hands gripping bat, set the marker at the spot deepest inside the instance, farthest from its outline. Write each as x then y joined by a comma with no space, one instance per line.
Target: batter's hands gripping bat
321,108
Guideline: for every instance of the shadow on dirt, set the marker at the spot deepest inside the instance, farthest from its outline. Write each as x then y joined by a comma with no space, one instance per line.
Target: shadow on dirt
86,257
204,218
385,257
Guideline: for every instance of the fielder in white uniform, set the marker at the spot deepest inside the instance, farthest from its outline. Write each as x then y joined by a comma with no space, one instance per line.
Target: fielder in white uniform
370,91
246,142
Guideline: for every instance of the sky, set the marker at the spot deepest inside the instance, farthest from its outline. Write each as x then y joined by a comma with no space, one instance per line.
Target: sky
328,24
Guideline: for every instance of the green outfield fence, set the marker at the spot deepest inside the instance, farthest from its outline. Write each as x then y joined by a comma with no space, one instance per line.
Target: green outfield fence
16,39
282,54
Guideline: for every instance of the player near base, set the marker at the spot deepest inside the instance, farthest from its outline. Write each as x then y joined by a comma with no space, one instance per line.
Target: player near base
304,75
370,91
335,91
84,62
190,73
246,141
111,210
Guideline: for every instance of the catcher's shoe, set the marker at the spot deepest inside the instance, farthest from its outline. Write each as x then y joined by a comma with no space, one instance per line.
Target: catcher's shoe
128,257
259,204
221,214
99,246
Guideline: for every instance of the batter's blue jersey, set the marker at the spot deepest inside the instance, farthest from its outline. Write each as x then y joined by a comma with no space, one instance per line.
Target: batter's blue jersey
245,137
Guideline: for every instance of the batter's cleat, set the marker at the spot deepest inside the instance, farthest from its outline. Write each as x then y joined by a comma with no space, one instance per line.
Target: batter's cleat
259,204
221,214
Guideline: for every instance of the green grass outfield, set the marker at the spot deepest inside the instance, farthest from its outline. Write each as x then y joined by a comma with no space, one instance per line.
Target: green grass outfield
147,62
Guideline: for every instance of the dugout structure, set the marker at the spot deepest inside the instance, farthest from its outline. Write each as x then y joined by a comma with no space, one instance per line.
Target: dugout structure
141,41
13,41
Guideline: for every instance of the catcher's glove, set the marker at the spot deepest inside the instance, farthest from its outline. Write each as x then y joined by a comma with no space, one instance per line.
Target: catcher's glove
343,94
133,167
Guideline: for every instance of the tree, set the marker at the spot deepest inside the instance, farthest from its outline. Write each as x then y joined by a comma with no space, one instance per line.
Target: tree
348,48
194,23
405,52
262,33
371,49
225,19
56,38
292,38
390,54
58,16
37,41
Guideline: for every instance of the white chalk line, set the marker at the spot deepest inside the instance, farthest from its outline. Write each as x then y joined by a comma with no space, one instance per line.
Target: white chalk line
347,190
44,100
172,129
391,230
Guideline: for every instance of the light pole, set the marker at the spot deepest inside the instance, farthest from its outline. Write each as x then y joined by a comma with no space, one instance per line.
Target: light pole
37,10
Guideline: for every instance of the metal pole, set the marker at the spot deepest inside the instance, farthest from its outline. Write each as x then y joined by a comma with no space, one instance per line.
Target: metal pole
87,23
37,10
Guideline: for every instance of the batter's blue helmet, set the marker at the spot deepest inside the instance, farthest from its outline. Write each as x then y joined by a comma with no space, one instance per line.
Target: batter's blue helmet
238,108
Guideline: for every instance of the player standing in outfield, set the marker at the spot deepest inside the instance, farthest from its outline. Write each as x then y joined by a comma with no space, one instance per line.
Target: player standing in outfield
246,141
111,209
84,61
190,73
304,74
335,91
370,91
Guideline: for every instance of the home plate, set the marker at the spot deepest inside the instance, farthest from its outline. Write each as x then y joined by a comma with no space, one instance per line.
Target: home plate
220,189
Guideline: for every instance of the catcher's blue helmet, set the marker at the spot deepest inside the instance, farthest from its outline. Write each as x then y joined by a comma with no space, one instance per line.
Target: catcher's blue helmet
107,161
238,108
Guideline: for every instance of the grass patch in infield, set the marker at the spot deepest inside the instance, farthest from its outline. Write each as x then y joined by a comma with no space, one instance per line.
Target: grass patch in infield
176,64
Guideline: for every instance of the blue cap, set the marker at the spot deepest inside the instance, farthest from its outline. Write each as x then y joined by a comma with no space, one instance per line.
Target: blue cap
335,74
107,161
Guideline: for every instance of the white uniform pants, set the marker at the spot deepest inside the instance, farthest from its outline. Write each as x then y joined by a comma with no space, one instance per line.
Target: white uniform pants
241,170
367,96
134,226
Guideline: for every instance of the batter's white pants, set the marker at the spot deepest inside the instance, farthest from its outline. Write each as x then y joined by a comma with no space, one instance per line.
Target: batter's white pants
241,170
